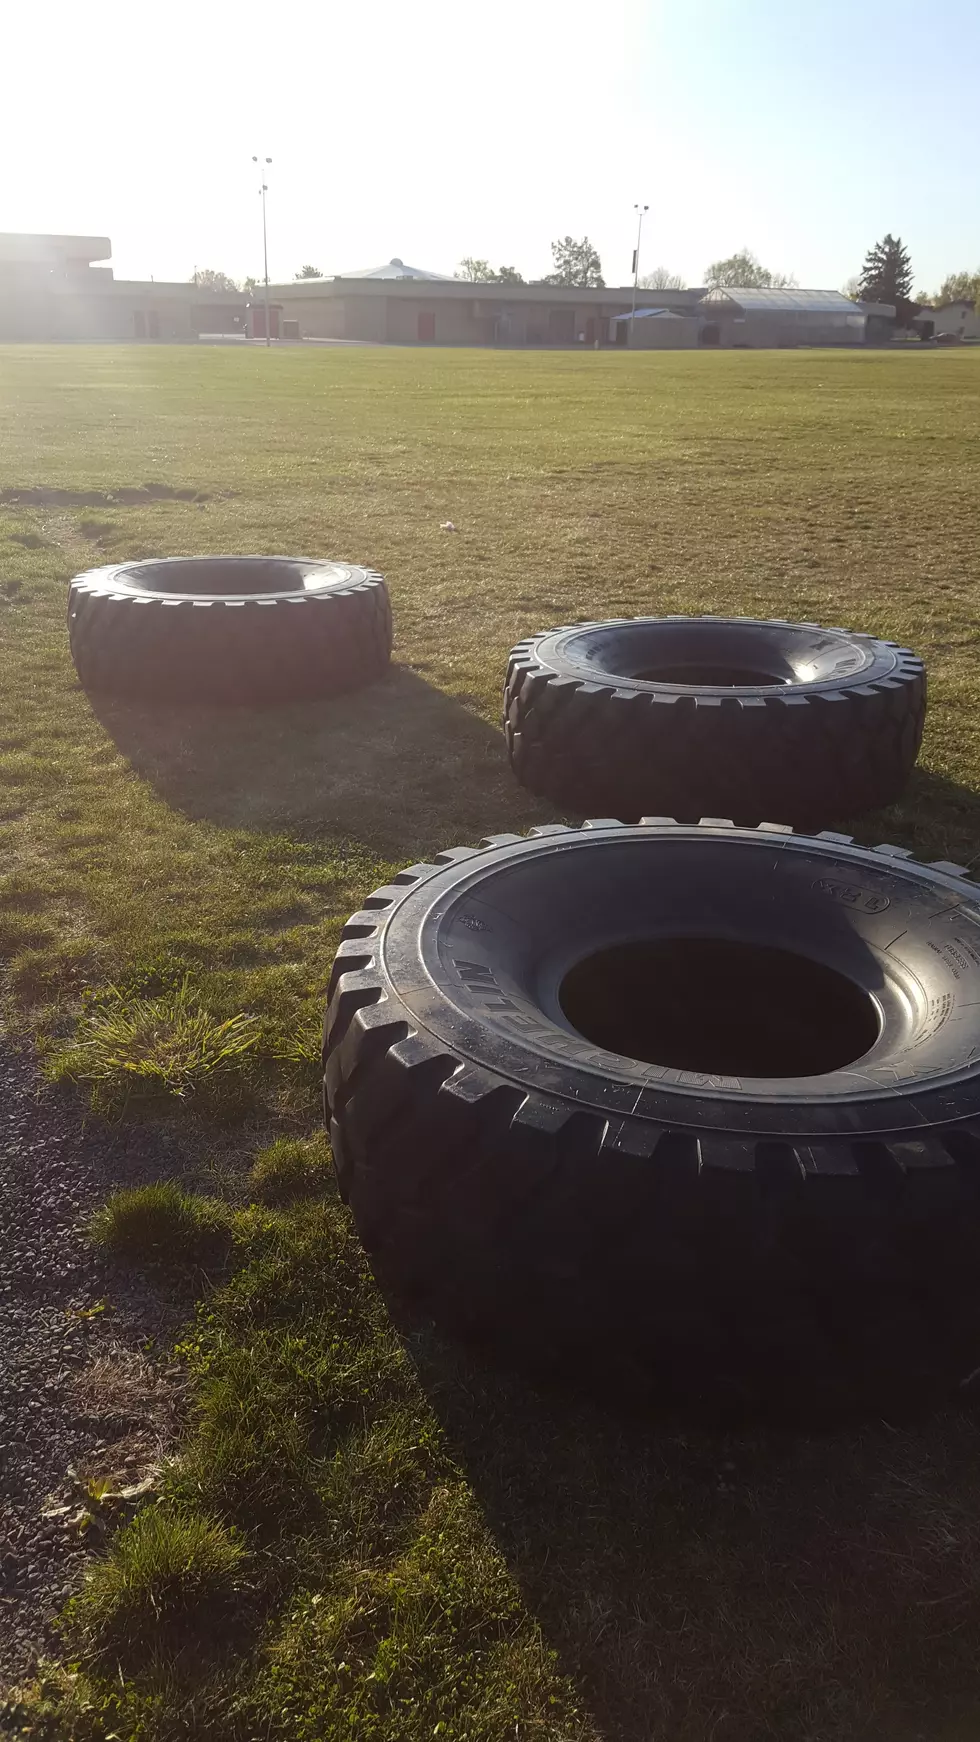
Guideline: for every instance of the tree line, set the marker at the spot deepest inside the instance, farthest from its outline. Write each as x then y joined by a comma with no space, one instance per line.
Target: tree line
886,275
577,264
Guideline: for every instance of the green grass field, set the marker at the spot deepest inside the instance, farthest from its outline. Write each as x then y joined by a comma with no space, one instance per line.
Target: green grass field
370,1536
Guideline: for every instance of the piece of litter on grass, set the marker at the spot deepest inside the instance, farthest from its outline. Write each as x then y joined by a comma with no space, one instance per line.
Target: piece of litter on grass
446,526
135,1490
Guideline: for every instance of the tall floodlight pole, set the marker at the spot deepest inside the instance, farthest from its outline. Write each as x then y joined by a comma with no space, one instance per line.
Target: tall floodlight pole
641,210
263,190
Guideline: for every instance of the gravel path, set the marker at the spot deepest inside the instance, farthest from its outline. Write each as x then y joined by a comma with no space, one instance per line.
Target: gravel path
85,1393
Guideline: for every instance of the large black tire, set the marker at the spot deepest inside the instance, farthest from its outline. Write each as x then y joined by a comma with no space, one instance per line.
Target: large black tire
714,716
247,630
783,1207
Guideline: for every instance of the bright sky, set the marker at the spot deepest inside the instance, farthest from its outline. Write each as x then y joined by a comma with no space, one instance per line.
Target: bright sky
434,129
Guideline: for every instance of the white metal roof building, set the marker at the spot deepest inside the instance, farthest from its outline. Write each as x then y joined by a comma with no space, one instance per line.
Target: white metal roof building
786,299
396,268
781,317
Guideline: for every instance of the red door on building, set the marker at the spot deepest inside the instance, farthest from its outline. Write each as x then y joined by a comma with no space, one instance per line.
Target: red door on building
426,328
257,321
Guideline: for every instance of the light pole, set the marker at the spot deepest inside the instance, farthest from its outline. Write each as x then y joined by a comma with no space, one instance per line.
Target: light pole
263,190
642,210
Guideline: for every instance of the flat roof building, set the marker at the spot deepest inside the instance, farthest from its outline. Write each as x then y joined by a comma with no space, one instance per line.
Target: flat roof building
50,290
60,288
428,310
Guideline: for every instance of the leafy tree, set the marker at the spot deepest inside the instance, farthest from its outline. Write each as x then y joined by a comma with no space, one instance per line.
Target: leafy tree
250,286
886,276
475,271
743,271
959,287
481,272
206,278
309,272
576,263
661,278
853,287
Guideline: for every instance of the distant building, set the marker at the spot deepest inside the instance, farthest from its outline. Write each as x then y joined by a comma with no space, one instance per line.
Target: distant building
50,290
397,305
961,318
658,329
58,288
772,319
880,317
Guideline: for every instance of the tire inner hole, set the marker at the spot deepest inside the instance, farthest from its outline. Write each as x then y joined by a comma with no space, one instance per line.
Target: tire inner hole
219,576
723,1008
711,676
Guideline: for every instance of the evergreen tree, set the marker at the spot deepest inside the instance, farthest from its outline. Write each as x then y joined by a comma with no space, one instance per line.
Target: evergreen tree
886,276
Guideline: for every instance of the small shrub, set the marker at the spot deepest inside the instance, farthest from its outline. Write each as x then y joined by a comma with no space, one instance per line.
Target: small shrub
290,1169
150,1047
167,1574
163,1225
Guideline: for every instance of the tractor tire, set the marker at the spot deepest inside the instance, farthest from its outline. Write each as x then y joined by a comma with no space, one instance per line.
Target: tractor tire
695,1109
242,630
714,716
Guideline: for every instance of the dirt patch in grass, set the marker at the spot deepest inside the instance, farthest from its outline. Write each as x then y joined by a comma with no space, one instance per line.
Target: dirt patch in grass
125,1393
97,530
120,495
